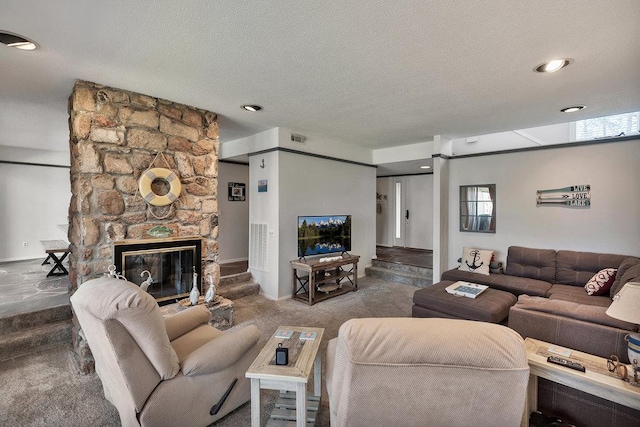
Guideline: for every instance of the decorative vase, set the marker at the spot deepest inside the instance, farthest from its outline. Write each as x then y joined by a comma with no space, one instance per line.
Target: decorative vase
211,292
633,341
195,293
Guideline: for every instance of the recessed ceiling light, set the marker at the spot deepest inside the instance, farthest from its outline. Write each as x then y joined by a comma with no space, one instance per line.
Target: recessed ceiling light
425,167
553,66
251,107
573,108
17,41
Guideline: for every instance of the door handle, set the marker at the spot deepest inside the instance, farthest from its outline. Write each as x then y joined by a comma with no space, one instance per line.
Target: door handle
407,213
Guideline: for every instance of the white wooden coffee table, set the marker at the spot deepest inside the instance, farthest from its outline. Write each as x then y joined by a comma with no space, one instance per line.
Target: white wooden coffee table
303,356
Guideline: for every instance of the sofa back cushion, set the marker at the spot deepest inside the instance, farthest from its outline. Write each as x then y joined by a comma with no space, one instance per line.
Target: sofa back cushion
628,271
537,264
407,371
577,268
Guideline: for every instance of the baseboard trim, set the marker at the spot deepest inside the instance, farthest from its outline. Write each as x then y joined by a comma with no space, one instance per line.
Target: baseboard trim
229,261
25,258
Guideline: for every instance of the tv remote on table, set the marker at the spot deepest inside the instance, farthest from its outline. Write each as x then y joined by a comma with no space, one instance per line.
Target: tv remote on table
566,363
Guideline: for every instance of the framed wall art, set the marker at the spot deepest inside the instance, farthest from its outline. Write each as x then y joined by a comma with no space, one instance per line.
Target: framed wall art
237,192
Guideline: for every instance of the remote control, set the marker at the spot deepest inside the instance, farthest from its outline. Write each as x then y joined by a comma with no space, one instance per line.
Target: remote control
564,362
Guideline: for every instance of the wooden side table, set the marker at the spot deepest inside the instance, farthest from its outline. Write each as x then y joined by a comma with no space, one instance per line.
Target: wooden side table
597,380
265,374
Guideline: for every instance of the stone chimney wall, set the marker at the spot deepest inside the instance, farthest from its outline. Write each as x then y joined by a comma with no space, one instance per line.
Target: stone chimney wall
115,136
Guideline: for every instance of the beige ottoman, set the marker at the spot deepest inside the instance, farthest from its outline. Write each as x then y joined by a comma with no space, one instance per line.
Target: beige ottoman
491,305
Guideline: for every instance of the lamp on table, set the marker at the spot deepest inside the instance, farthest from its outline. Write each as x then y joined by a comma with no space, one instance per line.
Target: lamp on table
626,307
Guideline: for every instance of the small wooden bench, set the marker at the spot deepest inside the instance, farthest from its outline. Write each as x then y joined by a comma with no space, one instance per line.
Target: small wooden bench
52,247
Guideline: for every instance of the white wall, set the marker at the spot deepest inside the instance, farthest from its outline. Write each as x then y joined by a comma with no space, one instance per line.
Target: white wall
610,225
420,150
33,201
560,133
258,142
314,186
30,155
281,137
325,147
233,216
264,209
419,202
384,212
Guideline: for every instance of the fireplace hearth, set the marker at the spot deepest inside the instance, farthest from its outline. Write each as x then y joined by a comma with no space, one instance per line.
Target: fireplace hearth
165,267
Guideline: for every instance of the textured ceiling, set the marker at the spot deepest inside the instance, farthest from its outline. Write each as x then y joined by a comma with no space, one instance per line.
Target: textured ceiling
372,73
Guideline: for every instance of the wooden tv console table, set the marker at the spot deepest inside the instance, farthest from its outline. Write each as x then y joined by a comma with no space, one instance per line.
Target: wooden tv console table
323,280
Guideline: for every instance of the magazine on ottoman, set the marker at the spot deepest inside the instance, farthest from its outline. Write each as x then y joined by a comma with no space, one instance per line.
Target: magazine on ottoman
466,289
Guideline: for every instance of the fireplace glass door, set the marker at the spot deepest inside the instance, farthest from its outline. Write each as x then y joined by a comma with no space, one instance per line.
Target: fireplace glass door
168,270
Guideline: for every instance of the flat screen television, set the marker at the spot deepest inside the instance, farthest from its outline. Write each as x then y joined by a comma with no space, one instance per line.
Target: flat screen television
319,235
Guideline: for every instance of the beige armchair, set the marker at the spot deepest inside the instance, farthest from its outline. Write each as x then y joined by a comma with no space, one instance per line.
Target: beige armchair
426,372
176,371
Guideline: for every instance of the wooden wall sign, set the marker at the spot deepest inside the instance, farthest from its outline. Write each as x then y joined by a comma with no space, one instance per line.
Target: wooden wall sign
575,196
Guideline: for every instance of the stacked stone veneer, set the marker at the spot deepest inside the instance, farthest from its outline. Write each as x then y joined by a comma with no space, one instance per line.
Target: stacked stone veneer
115,136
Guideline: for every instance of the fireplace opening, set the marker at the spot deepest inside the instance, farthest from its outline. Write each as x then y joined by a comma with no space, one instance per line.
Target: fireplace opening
165,267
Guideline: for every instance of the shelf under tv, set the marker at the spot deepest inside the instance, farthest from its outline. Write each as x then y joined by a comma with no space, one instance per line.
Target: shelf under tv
316,275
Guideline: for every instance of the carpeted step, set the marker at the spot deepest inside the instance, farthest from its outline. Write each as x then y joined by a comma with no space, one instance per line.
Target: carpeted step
420,280
237,286
404,268
235,278
29,340
21,322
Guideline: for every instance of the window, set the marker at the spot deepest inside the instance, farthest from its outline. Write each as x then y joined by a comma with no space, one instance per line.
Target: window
609,126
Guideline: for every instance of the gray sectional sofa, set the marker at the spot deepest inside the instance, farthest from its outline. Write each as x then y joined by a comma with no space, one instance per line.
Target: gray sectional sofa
553,306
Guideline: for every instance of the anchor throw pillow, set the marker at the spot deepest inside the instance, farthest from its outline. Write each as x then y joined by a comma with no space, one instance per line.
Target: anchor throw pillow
476,260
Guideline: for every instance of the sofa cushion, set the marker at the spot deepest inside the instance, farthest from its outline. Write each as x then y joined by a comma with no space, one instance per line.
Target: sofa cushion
475,260
502,282
577,268
576,294
628,271
537,264
601,282
573,310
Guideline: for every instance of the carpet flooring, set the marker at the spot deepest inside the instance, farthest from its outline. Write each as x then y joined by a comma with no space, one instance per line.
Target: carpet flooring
45,389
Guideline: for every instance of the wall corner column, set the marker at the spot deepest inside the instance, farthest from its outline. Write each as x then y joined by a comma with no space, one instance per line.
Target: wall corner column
441,154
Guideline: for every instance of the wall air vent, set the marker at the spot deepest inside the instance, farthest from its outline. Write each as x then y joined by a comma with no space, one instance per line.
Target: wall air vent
298,138
258,246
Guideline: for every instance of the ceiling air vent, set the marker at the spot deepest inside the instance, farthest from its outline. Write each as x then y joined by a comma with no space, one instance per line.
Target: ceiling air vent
298,138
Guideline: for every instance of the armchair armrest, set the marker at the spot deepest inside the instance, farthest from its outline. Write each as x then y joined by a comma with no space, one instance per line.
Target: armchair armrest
220,353
186,320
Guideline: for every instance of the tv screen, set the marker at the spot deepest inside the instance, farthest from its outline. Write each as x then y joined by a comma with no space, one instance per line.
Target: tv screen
318,235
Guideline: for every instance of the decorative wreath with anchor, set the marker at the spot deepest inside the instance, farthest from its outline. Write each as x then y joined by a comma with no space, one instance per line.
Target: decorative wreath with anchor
145,186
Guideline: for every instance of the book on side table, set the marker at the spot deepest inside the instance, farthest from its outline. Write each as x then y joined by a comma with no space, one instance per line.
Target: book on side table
466,289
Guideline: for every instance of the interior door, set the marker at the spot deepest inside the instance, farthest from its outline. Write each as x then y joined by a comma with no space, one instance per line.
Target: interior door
413,211
419,203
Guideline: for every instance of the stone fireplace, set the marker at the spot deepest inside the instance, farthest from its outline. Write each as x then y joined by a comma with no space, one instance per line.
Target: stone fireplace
115,136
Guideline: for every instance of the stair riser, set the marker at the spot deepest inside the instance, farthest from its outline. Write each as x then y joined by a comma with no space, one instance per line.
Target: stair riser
401,267
395,277
34,340
21,322
235,278
238,290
